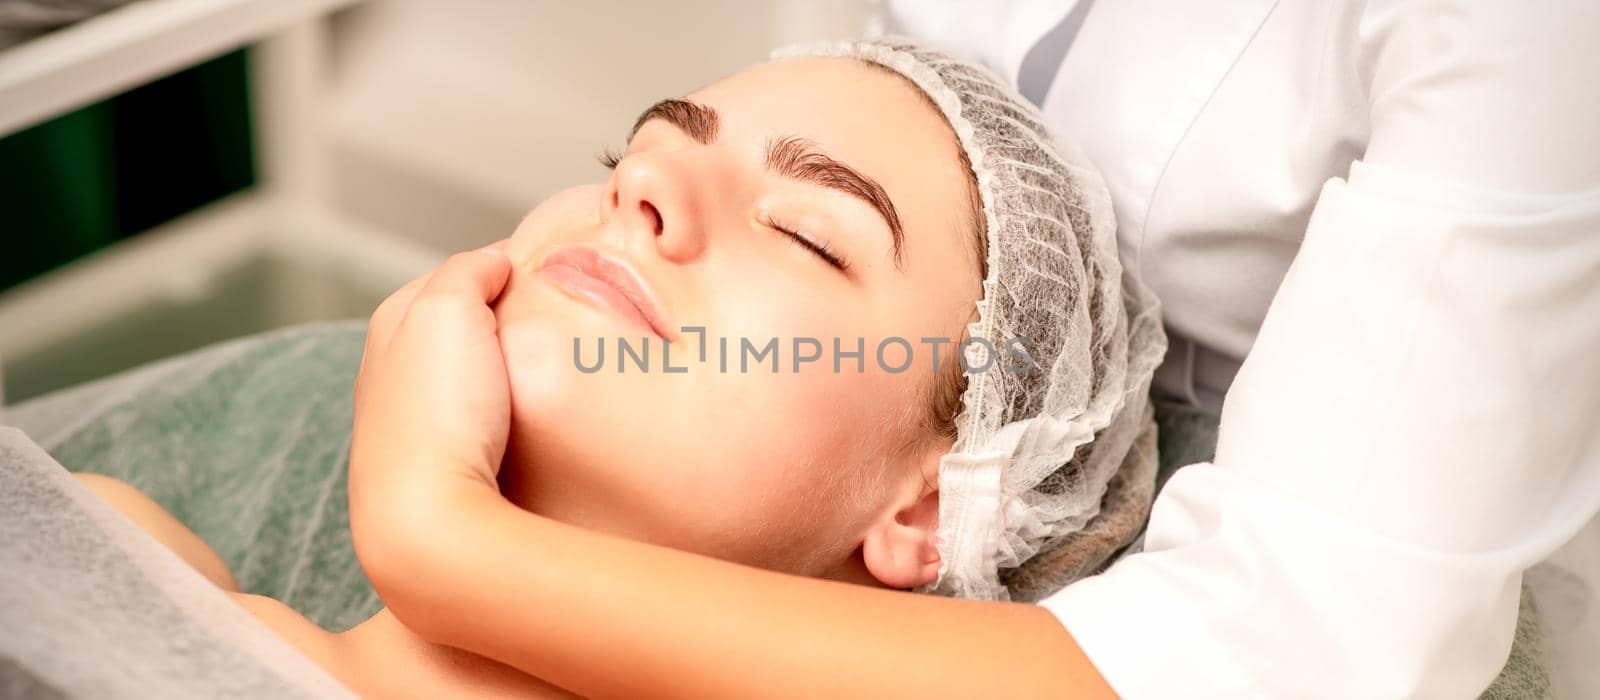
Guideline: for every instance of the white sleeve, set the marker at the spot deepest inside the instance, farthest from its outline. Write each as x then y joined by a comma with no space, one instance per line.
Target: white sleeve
1419,419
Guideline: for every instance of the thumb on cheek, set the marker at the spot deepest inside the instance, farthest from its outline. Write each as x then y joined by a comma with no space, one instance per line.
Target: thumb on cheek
477,275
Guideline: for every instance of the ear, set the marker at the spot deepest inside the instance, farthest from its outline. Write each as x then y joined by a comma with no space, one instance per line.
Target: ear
900,546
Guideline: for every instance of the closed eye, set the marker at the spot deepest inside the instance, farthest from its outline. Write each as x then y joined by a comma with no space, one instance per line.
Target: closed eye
821,250
609,158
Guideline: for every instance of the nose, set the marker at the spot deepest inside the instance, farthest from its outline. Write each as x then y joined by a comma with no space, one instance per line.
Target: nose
650,199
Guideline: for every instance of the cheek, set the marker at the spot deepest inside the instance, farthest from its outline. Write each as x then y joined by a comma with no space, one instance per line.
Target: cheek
818,435
801,450
570,210
761,468
785,466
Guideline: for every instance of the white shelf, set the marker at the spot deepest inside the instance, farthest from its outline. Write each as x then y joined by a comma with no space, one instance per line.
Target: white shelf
103,55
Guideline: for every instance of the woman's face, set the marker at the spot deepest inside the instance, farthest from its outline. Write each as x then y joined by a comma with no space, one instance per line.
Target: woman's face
793,469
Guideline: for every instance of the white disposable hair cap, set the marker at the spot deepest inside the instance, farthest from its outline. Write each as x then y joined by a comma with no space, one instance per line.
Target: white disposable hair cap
1053,469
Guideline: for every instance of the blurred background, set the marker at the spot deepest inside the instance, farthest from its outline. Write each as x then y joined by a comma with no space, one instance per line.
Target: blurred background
178,172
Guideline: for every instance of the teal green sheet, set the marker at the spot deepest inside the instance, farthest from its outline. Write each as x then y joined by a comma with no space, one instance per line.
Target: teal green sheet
247,442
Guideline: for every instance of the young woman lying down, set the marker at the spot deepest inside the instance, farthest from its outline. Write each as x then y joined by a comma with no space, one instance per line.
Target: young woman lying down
851,314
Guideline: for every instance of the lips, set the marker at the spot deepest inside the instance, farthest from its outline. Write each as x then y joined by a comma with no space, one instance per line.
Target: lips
588,275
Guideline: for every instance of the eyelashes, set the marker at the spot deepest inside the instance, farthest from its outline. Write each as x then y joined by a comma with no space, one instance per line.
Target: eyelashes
821,250
611,156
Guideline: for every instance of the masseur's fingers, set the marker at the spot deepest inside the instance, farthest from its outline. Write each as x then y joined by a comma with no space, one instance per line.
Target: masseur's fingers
473,278
455,299
380,328
384,320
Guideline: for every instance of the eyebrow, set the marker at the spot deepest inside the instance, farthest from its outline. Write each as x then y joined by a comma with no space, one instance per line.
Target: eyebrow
792,157
696,120
800,159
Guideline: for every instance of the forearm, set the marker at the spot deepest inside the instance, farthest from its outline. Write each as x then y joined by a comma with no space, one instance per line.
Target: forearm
569,605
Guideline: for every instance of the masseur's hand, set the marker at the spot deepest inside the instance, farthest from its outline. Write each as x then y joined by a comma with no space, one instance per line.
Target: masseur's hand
432,411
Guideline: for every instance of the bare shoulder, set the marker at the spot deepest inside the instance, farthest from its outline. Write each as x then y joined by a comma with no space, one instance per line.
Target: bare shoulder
284,620
325,648
152,518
